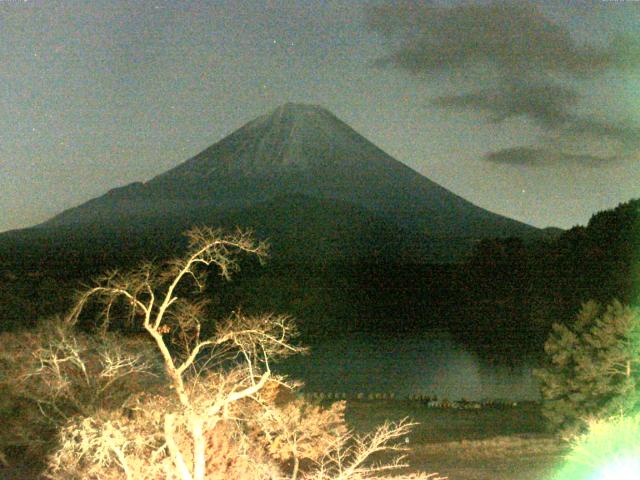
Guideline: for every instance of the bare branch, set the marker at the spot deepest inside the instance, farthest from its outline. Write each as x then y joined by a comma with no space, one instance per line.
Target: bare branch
113,424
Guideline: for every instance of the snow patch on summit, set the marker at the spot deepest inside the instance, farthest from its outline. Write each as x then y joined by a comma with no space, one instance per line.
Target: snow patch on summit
297,135
294,137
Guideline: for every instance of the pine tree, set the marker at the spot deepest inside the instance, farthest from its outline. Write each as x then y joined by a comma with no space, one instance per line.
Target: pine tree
593,368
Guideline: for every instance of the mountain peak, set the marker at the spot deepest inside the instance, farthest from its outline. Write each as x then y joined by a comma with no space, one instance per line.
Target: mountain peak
296,136
292,119
294,109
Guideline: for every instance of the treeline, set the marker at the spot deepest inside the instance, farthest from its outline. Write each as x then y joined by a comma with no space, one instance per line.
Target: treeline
511,292
501,301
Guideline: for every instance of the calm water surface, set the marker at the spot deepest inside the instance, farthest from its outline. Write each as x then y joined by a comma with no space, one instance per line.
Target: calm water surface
431,364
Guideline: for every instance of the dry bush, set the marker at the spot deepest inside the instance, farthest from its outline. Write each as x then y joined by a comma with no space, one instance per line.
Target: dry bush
179,406
299,431
22,423
55,373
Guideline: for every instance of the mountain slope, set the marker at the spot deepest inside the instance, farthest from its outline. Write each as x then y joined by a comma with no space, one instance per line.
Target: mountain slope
299,229
297,149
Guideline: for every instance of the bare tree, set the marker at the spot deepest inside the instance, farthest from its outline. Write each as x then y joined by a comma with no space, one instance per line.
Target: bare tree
211,409
175,324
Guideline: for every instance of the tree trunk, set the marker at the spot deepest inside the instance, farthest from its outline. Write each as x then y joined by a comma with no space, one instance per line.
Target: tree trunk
296,465
198,449
174,450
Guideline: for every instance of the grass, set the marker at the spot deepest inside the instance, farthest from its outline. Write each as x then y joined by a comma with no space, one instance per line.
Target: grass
494,443
498,443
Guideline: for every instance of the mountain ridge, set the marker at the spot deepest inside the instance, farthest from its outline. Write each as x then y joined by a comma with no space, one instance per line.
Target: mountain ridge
299,149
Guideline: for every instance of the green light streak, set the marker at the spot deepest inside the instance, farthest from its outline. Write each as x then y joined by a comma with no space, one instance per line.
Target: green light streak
610,450
635,265
628,468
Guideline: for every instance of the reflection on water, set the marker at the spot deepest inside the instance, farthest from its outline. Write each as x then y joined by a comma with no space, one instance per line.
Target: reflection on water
432,365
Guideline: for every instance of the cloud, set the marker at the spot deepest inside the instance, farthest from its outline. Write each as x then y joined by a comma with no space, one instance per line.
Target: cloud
625,133
545,102
532,68
517,156
536,156
513,36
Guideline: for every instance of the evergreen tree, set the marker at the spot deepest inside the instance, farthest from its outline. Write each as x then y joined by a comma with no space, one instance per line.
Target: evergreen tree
593,367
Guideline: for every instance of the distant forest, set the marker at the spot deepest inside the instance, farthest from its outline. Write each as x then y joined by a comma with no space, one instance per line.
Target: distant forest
500,301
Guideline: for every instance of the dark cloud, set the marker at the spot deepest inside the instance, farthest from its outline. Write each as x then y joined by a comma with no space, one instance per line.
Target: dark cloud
517,155
545,102
534,156
536,68
513,36
626,134
548,105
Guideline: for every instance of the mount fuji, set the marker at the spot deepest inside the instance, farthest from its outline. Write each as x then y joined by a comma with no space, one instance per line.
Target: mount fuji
299,174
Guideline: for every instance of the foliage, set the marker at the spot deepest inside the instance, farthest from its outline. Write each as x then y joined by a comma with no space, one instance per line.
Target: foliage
173,403
593,368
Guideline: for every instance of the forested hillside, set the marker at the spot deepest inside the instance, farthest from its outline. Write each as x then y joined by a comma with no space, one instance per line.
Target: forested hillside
501,300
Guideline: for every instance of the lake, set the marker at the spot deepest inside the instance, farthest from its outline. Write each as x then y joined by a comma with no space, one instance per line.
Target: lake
431,364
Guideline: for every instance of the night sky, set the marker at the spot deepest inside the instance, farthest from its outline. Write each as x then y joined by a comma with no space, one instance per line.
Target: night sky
528,110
